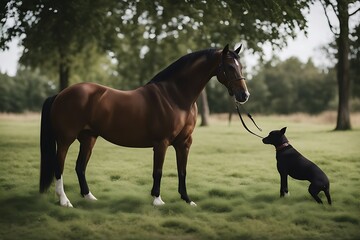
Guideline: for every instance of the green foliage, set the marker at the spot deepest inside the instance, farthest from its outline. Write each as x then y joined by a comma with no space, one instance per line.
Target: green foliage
291,86
151,34
143,36
232,177
279,87
355,62
26,91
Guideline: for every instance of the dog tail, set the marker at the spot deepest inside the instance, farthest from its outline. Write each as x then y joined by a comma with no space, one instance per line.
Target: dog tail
327,194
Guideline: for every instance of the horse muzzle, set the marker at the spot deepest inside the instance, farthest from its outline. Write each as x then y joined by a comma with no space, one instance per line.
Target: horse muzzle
242,97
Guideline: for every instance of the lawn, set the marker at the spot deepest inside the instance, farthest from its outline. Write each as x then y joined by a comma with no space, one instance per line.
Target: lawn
232,177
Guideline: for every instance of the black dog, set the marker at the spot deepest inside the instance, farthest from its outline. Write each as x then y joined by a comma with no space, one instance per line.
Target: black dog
291,162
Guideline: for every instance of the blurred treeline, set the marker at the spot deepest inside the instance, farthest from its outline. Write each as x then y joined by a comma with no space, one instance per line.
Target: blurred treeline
123,44
279,87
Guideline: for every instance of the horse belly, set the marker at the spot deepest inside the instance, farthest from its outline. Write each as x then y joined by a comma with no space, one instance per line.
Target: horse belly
134,129
121,123
127,136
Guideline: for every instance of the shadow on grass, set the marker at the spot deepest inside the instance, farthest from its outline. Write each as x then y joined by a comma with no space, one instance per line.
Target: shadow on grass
21,209
125,204
179,225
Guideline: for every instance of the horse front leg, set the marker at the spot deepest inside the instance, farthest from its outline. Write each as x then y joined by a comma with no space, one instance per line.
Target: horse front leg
182,152
159,156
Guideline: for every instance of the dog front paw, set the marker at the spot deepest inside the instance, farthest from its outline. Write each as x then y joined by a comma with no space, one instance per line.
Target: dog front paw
284,194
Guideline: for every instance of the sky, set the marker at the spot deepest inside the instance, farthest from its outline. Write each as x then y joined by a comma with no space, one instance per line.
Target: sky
303,47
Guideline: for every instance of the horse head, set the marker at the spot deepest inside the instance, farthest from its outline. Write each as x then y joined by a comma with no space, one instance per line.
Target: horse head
230,74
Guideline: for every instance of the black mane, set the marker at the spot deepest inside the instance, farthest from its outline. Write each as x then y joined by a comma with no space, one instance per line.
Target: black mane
180,63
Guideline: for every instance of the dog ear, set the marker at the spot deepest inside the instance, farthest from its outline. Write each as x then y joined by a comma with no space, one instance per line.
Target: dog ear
283,130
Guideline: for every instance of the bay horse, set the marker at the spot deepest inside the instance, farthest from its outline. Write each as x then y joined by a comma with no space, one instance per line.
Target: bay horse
159,114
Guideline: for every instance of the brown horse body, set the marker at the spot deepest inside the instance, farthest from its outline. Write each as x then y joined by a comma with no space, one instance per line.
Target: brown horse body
158,114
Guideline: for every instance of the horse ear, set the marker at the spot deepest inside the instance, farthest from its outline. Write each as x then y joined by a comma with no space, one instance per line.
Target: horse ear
225,50
283,130
238,49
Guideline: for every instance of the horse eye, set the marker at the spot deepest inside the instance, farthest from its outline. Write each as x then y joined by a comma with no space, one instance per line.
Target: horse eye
231,67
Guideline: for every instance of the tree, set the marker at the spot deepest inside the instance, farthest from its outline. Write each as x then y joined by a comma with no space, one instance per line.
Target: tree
24,92
143,36
341,10
291,86
355,62
53,33
170,29
204,108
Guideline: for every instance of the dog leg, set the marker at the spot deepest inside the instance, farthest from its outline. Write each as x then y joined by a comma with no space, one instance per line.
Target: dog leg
327,194
314,191
283,185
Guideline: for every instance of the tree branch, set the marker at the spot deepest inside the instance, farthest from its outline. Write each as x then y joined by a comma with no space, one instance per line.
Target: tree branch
354,12
332,28
327,2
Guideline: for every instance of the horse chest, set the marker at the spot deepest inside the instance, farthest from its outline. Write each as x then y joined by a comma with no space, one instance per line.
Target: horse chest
166,118
170,125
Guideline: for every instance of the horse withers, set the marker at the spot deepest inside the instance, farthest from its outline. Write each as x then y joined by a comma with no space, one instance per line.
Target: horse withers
159,114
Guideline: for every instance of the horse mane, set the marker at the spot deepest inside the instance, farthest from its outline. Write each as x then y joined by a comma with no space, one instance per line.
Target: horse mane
176,66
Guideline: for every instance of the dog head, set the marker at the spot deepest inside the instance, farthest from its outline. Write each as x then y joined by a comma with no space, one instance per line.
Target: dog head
276,137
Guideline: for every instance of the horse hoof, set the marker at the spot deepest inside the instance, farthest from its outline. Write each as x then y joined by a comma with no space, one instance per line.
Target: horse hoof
193,204
66,203
287,194
158,201
90,197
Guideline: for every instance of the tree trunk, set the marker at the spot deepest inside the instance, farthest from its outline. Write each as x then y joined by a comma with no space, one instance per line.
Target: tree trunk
204,109
343,118
230,109
64,76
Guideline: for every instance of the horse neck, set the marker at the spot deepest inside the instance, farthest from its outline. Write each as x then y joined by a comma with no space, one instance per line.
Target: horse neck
195,78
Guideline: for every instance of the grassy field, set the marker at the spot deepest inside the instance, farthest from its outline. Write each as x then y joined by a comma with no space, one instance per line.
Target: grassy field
232,177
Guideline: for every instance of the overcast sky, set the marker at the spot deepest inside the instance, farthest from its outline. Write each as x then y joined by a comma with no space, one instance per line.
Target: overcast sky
302,47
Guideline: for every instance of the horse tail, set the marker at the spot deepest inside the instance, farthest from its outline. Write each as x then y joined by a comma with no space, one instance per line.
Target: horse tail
47,146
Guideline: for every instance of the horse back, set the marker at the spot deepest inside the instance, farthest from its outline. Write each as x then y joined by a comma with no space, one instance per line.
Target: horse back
136,118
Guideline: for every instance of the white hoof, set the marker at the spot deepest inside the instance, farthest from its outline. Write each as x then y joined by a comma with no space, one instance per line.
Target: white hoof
287,194
65,202
59,190
193,204
90,197
158,201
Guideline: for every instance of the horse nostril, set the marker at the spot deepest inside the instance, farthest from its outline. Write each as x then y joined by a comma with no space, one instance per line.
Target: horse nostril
242,97
245,95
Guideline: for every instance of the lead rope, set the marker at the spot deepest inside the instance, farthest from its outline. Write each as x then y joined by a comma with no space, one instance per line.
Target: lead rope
243,123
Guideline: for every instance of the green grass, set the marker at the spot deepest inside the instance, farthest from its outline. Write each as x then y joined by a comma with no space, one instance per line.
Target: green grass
232,177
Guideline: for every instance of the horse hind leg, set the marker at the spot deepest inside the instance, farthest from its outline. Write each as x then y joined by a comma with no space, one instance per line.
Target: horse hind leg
87,141
62,150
